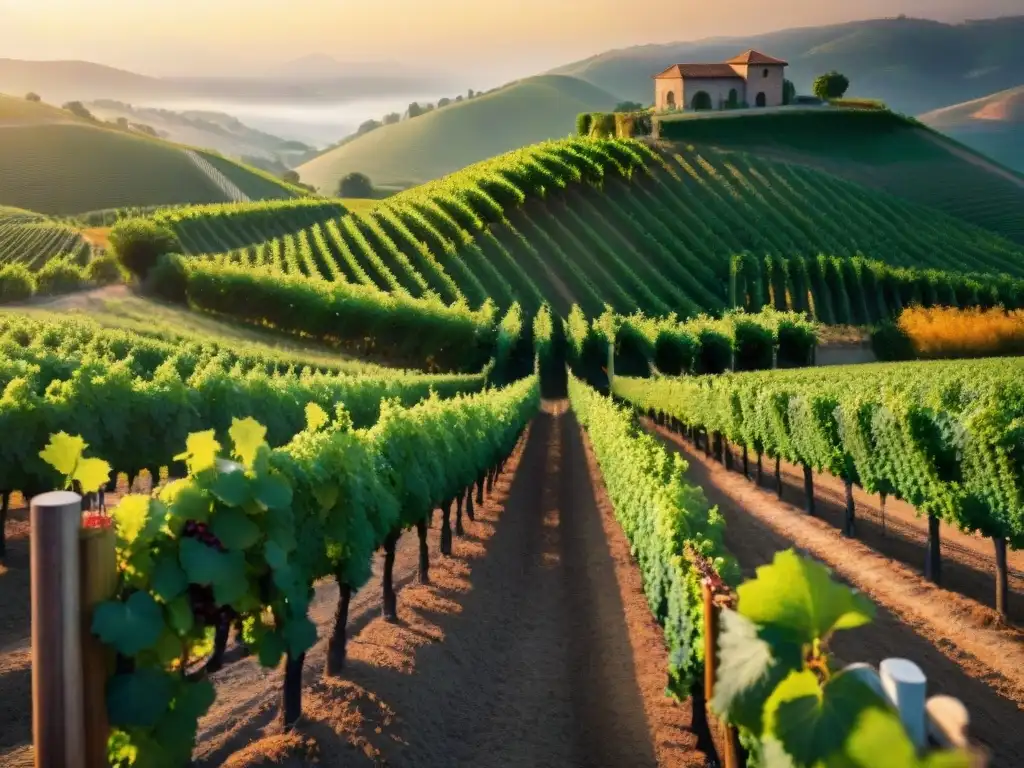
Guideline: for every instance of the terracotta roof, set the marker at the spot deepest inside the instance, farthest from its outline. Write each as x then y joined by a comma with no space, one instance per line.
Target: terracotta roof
755,57
716,71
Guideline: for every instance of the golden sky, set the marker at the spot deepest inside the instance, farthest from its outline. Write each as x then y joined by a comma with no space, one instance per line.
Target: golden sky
193,36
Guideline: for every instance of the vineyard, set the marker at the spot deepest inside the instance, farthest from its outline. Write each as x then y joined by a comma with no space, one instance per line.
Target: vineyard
30,239
613,222
934,434
563,328
880,150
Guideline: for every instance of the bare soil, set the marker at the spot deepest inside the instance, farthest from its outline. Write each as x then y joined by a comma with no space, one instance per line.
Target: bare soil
533,646
959,644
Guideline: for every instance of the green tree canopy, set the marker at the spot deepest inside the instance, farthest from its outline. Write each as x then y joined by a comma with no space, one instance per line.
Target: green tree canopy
831,85
629,106
788,92
356,185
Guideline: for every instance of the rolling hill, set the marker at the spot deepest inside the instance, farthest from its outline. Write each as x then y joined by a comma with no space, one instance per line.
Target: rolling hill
32,239
915,65
442,141
992,124
56,163
877,149
596,222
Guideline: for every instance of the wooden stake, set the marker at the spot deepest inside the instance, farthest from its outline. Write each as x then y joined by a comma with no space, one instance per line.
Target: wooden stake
99,583
58,722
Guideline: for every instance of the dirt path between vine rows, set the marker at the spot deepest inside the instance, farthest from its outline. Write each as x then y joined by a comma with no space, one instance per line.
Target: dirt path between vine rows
956,641
534,646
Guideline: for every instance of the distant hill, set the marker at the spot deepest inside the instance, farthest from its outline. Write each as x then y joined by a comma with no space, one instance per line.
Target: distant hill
451,137
993,125
56,163
202,128
915,65
60,81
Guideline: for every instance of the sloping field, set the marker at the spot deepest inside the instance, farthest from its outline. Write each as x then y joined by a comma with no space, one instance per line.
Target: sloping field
452,137
55,163
993,124
880,150
34,239
255,183
599,221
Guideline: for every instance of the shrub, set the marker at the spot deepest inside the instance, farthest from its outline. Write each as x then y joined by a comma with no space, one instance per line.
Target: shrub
168,279
583,121
104,270
17,283
33,97
79,109
356,185
831,85
890,343
629,106
139,243
60,275
788,92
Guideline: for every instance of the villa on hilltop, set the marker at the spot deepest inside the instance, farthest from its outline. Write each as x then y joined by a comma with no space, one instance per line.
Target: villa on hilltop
750,79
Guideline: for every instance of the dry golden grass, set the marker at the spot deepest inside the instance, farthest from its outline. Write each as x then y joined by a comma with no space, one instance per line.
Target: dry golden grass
948,332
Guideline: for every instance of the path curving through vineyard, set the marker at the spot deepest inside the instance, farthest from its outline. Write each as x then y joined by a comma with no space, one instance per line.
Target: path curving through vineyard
954,640
533,647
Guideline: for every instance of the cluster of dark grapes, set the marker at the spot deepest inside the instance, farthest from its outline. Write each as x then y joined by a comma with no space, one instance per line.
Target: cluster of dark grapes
204,607
202,533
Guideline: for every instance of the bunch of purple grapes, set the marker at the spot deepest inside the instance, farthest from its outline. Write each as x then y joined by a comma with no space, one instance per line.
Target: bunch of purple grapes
204,607
202,533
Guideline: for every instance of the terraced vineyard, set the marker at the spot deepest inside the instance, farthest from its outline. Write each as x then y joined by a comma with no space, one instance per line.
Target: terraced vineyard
879,150
612,222
32,239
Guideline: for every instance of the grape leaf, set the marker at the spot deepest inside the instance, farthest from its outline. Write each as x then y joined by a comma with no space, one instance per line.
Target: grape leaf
327,495
275,555
233,584
812,721
272,491
248,435
189,502
196,698
203,565
798,597
91,474
63,452
232,488
234,528
139,698
179,612
168,648
136,523
316,417
271,648
300,635
749,669
169,580
131,626
280,528
879,740
201,450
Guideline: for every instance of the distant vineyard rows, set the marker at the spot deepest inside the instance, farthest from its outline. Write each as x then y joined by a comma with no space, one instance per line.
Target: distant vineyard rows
598,222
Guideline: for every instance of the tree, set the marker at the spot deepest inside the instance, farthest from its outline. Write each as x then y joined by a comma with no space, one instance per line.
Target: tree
414,110
470,94
443,102
369,125
78,108
831,85
459,97
629,106
122,123
31,96
788,92
291,177
391,118
139,243
356,185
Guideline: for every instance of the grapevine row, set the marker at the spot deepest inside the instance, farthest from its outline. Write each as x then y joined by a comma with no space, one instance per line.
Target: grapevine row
940,435
223,546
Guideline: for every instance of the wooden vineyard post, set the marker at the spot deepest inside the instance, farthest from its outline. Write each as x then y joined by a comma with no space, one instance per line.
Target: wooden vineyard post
730,736
98,583
58,729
